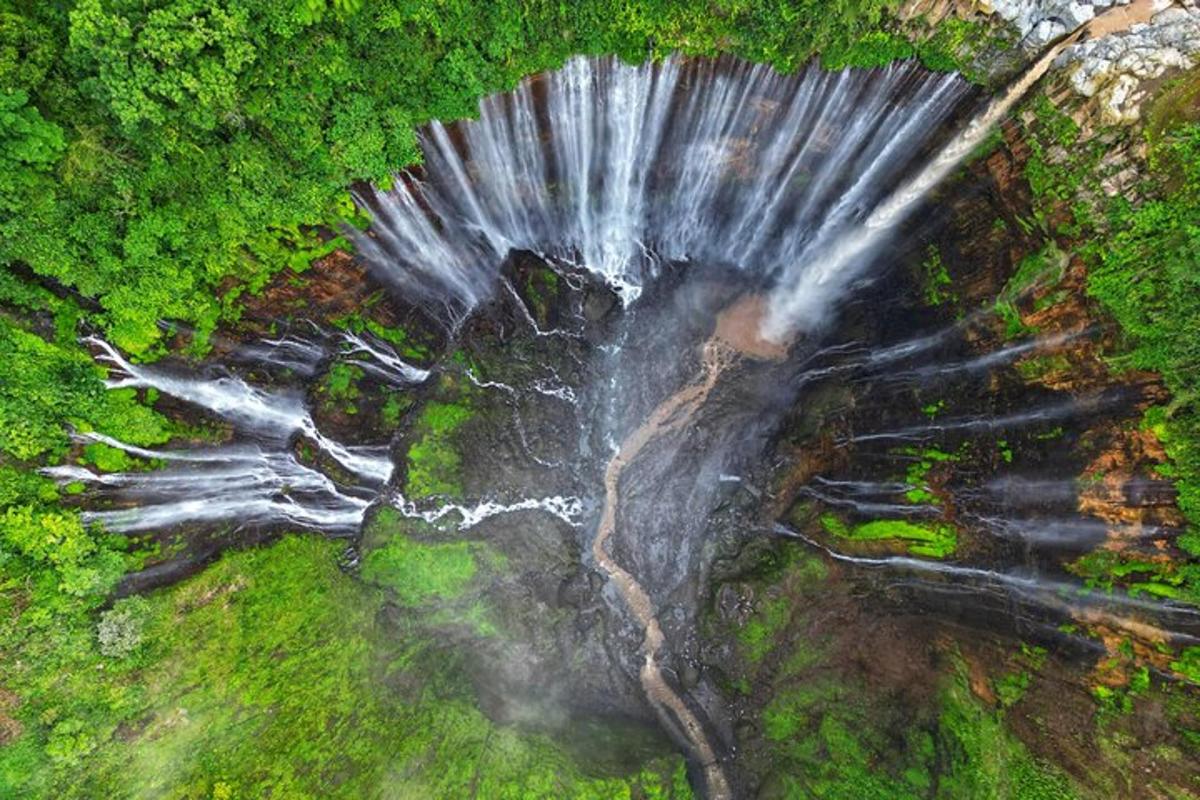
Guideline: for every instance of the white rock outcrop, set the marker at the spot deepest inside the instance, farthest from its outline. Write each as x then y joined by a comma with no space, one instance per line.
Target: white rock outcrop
1113,68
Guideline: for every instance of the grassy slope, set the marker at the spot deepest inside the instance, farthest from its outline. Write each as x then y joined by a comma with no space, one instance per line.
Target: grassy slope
269,674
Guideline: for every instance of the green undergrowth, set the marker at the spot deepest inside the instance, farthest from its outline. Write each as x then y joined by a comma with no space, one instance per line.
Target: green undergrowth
419,572
953,45
45,386
1012,686
826,727
1170,579
1145,276
936,540
826,736
1062,170
269,675
1043,268
1141,256
53,569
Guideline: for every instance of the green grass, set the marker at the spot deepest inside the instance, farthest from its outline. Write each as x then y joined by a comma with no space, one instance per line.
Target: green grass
420,573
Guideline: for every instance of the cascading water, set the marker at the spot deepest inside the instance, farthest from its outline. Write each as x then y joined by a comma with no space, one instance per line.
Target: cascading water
620,168
686,174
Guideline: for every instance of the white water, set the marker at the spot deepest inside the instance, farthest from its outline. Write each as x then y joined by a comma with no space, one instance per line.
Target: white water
1117,609
617,168
380,359
1065,410
289,352
840,253
1002,356
568,509
242,484
256,483
276,415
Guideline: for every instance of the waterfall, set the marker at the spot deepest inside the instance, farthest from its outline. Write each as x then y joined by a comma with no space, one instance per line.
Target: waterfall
618,168
275,416
243,484
255,483
840,253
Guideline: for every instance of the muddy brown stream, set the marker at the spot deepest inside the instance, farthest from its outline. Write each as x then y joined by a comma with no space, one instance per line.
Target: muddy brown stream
736,336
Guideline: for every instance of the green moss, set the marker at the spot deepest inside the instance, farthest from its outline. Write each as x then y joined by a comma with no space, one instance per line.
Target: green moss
835,525
393,409
916,475
433,460
758,635
935,540
1054,433
541,287
1188,665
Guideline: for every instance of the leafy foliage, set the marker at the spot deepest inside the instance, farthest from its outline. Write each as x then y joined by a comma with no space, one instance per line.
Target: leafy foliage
162,157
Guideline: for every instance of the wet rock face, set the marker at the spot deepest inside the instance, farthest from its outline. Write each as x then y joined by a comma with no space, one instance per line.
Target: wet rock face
548,378
967,435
